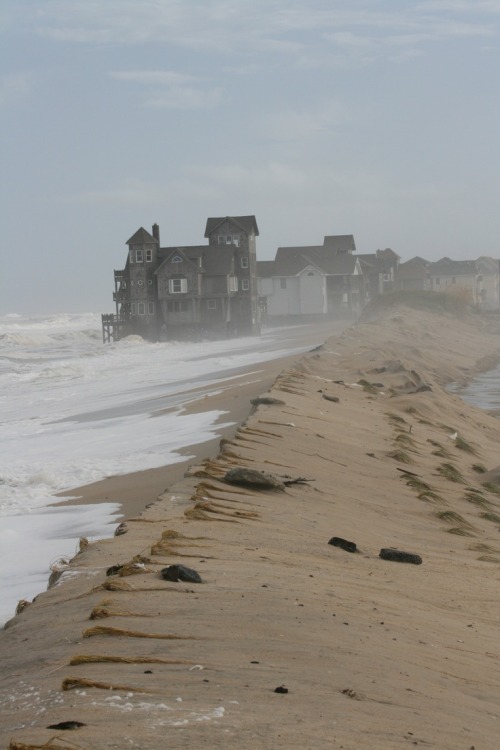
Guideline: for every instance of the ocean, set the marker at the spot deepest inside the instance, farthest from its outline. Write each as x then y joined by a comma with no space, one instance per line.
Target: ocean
74,411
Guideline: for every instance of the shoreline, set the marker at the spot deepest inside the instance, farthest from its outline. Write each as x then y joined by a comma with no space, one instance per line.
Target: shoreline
365,652
134,491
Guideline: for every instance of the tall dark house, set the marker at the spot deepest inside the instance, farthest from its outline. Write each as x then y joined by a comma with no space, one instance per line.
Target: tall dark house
188,292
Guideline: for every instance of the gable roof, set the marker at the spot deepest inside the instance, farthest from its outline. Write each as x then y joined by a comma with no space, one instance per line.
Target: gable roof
415,268
247,224
290,261
141,237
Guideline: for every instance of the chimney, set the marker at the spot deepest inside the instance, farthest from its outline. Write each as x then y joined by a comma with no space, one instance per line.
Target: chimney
156,233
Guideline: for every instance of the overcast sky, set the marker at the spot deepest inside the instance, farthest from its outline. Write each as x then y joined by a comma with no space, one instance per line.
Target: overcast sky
377,118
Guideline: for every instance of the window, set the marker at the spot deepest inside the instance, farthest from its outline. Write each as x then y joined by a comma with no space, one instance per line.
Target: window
140,282
177,286
151,308
138,256
141,308
178,305
150,282
149,256
133,308
245,285
212,304
177,259
244,262
229,239
282,283
233,283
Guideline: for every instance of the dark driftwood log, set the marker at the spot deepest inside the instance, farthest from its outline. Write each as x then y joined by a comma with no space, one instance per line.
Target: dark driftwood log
253,478
337,541
397,555
327,396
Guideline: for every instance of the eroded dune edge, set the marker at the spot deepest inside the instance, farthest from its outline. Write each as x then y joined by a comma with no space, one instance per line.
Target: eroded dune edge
366,652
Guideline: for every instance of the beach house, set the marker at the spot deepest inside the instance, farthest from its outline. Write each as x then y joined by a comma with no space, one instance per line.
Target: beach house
312,282
188,292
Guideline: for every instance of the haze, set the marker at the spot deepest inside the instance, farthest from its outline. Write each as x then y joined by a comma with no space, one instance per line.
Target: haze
374,118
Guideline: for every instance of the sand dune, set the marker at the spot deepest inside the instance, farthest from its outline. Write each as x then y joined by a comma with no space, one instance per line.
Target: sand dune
366,652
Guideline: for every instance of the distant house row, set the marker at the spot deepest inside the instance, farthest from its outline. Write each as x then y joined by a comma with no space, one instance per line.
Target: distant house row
477,280
331,280
220,289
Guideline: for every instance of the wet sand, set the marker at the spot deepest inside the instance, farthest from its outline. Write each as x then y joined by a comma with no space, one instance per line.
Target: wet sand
364,652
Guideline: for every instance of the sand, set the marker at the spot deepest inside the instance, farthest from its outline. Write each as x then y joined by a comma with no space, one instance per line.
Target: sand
367,653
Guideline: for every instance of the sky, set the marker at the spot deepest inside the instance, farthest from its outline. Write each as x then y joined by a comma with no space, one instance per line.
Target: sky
377,118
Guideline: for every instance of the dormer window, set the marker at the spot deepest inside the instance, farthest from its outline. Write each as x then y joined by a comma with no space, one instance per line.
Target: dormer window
139,257
149,256
177,259
177,286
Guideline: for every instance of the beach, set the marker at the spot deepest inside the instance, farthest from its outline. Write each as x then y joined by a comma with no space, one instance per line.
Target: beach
291,641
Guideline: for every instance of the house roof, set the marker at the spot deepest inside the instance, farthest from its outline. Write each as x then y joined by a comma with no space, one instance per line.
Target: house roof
415,268
290,261
141,237
488,265
418,259
216,260
448,267
265,269
247,224
342,243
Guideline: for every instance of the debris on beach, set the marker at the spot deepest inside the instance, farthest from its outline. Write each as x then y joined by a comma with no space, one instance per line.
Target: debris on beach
267,401
72,683
180,573
253,478
337,541
327,397
397,555
67,725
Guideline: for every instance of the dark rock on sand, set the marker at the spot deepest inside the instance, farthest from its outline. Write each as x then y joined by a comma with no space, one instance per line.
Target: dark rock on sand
281,689
337,541
253,478
180,573
327,396
121,529
397,555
